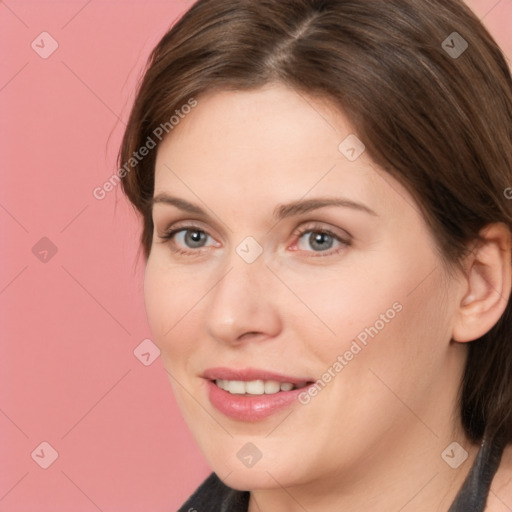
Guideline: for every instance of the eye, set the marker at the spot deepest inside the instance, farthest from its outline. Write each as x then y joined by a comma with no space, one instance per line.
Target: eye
193,239
320,240
186,237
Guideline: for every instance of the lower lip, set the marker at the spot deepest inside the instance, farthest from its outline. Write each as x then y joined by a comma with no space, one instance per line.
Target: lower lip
250,407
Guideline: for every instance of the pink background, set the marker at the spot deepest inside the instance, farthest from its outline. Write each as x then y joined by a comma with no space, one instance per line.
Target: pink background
70,321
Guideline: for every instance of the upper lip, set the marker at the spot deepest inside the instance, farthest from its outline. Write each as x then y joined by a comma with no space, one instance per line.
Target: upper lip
249,374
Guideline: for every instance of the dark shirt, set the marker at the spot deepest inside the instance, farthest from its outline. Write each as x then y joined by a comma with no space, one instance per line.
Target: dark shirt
214,496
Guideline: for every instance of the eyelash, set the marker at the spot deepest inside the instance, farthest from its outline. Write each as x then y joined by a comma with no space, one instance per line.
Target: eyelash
169,234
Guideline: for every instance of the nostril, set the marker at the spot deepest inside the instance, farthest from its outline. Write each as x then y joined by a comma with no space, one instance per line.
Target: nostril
252,333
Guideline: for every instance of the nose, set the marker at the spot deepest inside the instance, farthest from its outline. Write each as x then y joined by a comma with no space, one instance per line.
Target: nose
243,304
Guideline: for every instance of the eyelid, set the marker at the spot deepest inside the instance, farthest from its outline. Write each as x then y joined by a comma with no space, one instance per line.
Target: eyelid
342,234
183,225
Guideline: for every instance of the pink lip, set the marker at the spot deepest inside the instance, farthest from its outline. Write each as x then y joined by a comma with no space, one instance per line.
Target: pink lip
250,408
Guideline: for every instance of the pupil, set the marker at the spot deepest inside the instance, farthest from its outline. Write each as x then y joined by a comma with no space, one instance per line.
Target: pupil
320,238
195,237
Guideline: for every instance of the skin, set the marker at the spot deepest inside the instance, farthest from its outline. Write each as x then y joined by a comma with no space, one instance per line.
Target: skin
373,437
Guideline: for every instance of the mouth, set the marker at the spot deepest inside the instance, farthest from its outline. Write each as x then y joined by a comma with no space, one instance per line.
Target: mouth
251,394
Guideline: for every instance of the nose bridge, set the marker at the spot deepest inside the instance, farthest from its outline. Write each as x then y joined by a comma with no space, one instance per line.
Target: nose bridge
241,301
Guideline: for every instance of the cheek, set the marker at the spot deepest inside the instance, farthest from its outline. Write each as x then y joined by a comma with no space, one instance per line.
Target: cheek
387,345
169,310
344,306
381,318
403,348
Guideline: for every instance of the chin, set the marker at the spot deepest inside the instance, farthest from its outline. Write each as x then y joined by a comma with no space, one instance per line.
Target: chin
255,479
274,469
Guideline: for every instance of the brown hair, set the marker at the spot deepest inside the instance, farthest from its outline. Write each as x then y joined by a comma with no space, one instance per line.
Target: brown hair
435,117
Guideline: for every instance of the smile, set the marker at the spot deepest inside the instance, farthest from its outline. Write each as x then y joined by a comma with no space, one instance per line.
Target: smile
252,394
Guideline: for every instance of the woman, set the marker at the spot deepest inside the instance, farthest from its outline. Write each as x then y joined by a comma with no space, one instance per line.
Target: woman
327,229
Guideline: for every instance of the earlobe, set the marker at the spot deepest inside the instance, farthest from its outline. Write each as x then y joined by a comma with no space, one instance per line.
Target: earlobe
487,284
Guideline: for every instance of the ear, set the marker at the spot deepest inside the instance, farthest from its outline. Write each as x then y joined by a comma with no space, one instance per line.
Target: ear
486,287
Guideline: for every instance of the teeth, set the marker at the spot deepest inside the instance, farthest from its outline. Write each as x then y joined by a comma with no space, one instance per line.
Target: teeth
254,387
237,387
271,387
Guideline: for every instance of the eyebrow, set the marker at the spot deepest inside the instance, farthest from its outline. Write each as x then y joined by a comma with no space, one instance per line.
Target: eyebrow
280,212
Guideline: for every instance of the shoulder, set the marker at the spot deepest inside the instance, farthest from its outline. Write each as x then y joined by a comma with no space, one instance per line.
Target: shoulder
500,495
214,496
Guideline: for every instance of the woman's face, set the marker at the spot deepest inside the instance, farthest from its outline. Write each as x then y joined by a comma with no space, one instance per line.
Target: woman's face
262,283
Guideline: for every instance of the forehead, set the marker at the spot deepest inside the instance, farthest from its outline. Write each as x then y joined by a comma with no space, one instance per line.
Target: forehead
269,145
